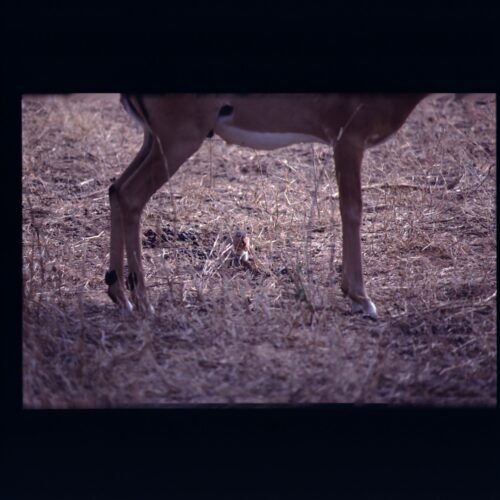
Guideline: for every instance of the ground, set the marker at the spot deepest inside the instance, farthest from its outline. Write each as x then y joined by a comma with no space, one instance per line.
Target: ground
281,331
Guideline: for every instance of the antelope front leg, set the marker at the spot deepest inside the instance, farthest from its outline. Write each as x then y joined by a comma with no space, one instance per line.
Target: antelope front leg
114,277
134,195
135,279
348,158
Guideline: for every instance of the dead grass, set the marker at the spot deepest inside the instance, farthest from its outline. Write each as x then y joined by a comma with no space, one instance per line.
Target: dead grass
284,334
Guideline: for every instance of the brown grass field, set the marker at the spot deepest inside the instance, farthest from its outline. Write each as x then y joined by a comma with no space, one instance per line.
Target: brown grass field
282,332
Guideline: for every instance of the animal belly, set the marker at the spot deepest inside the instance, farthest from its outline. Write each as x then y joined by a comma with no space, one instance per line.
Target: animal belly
260,140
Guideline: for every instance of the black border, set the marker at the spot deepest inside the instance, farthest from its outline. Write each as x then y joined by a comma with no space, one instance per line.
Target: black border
63,47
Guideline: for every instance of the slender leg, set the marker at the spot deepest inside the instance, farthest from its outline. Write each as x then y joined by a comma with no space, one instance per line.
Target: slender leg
153,172
348,158
114,277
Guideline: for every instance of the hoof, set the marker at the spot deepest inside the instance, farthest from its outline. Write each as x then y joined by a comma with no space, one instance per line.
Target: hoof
143,306
146,309
367,308
119,299
129,308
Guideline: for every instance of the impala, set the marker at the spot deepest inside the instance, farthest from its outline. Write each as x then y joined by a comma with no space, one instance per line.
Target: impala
176,125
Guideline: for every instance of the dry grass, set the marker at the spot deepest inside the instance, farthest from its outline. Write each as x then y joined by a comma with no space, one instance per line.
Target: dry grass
284,334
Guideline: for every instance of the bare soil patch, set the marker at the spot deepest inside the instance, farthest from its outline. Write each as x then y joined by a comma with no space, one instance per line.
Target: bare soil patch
284,334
